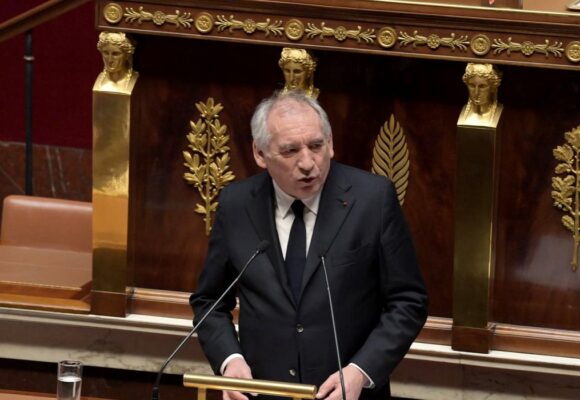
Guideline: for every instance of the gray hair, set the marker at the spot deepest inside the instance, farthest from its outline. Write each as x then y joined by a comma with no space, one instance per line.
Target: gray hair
259,123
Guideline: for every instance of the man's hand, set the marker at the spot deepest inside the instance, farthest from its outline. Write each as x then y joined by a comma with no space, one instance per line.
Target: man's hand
354,381
236,368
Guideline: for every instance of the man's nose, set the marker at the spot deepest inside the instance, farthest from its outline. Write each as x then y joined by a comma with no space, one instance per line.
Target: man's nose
306,160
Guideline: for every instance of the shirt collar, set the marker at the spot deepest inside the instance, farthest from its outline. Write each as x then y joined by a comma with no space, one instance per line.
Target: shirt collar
284,201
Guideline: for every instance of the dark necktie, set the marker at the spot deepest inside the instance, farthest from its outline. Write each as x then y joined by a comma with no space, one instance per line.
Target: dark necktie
296,251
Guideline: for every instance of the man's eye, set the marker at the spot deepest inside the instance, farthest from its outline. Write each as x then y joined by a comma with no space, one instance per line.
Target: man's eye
288,152
315,146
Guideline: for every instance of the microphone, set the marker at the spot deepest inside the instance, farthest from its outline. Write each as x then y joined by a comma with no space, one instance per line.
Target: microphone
334,330
262,246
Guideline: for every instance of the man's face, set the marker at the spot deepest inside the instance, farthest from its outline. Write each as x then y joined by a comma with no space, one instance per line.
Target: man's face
298,156
479,90
295,75
113,58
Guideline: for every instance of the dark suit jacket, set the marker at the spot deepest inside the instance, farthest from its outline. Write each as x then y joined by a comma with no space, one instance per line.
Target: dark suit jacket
378,293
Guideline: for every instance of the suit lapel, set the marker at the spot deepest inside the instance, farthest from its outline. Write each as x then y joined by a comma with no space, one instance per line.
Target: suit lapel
335,204
261,213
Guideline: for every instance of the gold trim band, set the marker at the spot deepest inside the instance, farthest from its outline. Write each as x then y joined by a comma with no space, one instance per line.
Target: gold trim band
294,390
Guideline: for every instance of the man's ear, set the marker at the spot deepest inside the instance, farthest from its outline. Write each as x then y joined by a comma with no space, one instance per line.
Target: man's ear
258,156
330,146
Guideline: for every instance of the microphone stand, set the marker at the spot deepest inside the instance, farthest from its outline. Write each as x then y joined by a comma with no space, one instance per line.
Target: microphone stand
262,246
340,375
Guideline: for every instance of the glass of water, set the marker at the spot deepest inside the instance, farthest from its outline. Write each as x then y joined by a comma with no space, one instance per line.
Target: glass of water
69,380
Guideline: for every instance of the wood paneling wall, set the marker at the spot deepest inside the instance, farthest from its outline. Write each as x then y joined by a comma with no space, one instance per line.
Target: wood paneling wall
533,283
360,92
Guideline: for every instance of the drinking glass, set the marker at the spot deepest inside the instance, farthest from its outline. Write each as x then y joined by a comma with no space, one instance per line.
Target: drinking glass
69,380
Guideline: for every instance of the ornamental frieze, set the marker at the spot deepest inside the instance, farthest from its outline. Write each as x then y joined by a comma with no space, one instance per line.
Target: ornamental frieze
249,26
390,37
528,48
340,33
433,41
158,17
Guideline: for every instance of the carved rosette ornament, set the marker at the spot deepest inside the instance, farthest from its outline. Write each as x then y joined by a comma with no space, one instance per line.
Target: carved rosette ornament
391,156
208,162
113,13
387,37
294,29
566,189
480,45
204,22
573,51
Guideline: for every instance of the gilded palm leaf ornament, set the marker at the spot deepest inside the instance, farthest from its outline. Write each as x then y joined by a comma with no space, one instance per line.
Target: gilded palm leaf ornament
208,161
391,156
566,188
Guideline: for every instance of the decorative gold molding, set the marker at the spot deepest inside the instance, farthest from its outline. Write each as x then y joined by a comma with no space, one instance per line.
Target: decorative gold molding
204,22
208,140
566,193
391,156
453,37
249,25
158,17
387,37
573,51
340,33
527,48
113,13
433,41
294,29
480,44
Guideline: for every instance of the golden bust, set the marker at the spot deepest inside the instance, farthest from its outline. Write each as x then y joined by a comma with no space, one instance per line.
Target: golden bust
298,67
482,109
117,52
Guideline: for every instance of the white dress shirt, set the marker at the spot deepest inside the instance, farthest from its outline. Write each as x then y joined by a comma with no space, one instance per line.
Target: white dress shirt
285,217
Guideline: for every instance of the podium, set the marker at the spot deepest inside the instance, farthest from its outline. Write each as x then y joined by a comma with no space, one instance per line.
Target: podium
273,388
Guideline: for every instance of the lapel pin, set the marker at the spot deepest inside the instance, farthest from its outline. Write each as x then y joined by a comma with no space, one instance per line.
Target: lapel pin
344,203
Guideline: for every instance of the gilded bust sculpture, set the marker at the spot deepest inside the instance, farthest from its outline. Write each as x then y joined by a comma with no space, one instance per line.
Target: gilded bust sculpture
298,67
482,108
117,52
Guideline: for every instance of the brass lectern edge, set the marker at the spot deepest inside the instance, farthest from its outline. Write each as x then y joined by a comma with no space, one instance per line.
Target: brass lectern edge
294,390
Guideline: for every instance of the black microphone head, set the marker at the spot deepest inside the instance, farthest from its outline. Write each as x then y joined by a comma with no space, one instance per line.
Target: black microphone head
263,246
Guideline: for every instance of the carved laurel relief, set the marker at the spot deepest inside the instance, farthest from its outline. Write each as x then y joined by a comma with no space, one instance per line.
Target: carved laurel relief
208,161
566,187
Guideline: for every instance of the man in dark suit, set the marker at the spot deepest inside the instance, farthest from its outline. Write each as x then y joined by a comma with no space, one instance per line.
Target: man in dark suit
351,220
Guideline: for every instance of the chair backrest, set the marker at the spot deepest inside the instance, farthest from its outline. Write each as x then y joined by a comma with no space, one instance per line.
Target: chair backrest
44,222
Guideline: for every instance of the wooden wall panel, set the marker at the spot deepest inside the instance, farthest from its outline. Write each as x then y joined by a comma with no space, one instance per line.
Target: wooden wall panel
360,92
534,284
